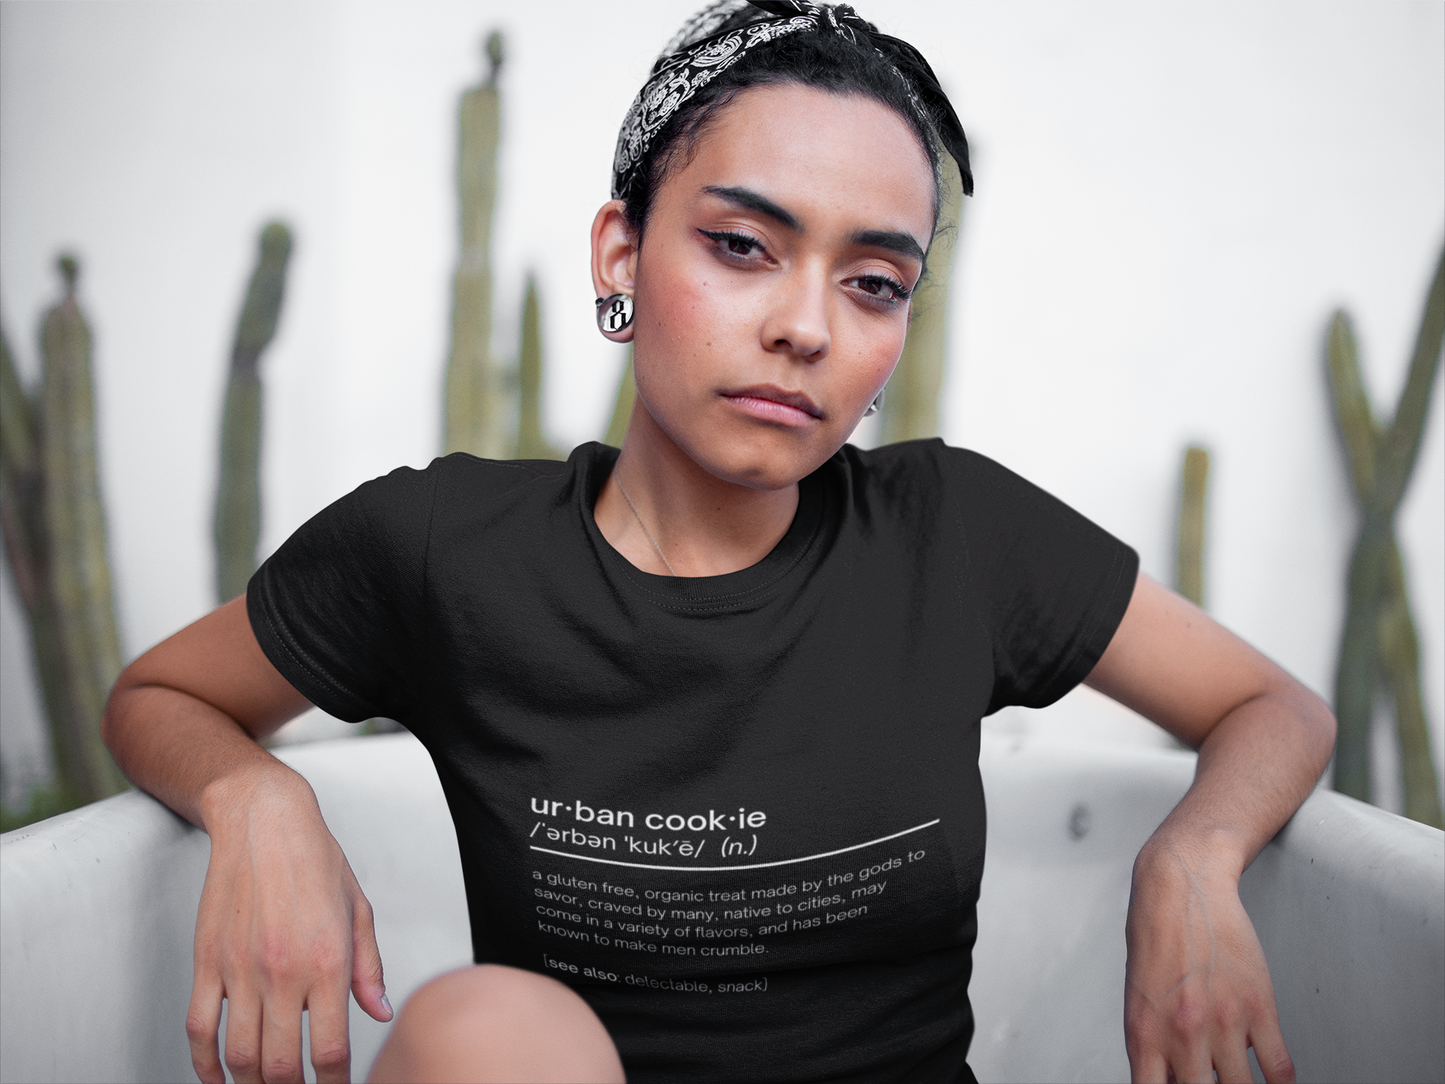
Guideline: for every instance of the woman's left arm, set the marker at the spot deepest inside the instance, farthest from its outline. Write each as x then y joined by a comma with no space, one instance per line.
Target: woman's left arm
1197,992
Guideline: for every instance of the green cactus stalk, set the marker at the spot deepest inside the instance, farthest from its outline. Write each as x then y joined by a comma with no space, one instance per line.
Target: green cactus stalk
910,409
237,524
622,405
22,523
78,568
1355,673
1400,666
1189,553
1379,637
20,482
476,399
531,444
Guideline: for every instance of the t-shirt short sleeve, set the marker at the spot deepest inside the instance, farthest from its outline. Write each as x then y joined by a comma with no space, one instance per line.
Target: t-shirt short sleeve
334,608
1051,585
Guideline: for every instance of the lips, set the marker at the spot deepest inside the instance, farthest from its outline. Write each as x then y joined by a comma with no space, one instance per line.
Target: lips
769,400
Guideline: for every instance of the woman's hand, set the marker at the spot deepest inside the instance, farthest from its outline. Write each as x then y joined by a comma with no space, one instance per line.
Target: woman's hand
283,926
1197,992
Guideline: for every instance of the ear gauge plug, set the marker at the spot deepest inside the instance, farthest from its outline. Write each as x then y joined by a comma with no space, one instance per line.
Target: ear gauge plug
614,317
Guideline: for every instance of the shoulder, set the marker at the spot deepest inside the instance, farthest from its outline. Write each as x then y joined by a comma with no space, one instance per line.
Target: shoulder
994,512
394,518
461,470
465,478
917,468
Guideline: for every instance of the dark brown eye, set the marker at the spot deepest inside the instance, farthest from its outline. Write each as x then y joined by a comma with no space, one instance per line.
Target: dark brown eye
735,244
883,288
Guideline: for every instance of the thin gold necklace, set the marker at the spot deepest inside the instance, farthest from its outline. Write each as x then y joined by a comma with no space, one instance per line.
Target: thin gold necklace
645,531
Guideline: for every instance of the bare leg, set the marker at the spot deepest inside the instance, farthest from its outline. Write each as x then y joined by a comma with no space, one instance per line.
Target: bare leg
495,1023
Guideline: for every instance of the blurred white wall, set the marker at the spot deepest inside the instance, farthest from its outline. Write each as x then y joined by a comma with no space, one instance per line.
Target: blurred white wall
1171,200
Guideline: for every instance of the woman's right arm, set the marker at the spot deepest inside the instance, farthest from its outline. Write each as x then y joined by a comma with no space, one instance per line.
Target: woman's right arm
283,925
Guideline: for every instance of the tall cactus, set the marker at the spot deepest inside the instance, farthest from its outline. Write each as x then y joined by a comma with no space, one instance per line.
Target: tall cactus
910,409
75,524
1189,553
1379,636
1400,668
54,528
22,520
237,525
531,444
476,399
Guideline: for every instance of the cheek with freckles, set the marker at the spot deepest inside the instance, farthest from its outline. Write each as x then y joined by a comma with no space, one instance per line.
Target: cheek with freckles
690,330
870,362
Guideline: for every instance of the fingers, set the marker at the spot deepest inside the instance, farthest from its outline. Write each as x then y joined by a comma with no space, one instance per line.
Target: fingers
203,1020
263,1040
280,1042
1194,1067
367,982
1231,1062
1269,1051
330,1038
1222,1056
243,1037
1265,1035
1148,1067
1197,1045
263,1037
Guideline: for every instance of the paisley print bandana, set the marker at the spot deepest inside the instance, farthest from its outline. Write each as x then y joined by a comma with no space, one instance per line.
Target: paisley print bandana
700,52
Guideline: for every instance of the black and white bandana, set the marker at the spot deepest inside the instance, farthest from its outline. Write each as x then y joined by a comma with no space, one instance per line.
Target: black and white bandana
700,52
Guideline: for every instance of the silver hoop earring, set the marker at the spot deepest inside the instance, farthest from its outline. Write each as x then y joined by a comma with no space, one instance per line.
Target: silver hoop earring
877,404
614,316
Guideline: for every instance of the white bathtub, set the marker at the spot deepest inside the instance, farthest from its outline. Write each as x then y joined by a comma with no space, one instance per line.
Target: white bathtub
97,909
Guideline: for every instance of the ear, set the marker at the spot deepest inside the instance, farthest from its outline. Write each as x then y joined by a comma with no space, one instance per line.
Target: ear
614,254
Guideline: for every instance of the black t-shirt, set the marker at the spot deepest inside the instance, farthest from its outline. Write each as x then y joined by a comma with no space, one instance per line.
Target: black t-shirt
741,815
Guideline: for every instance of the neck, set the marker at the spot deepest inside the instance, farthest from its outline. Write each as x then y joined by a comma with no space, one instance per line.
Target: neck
704,525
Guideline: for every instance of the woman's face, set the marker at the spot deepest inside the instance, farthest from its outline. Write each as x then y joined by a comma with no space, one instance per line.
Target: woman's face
773,278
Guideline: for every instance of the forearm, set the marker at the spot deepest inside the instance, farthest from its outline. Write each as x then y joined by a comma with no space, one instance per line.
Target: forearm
184,719
192,756
1256,766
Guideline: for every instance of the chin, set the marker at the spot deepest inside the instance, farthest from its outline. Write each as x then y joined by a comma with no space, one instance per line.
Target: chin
764,464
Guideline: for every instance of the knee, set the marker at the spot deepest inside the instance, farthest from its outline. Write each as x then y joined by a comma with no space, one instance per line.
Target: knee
497,1023
491,998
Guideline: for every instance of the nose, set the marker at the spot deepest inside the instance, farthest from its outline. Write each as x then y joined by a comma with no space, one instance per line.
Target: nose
797,317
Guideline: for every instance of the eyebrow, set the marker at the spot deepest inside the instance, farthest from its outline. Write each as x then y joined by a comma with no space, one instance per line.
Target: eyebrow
749,200
904,244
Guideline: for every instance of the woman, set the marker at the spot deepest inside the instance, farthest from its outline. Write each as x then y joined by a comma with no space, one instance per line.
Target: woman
706,710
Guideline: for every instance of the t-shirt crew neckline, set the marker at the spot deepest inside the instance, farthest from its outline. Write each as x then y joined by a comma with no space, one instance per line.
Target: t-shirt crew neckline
704,592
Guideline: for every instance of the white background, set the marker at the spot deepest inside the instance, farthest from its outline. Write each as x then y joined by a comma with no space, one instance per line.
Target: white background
1172,198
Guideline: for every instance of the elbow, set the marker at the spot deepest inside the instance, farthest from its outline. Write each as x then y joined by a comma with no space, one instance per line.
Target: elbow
110,727
1329,725
1320,726
112,719
1302,725
1329,728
